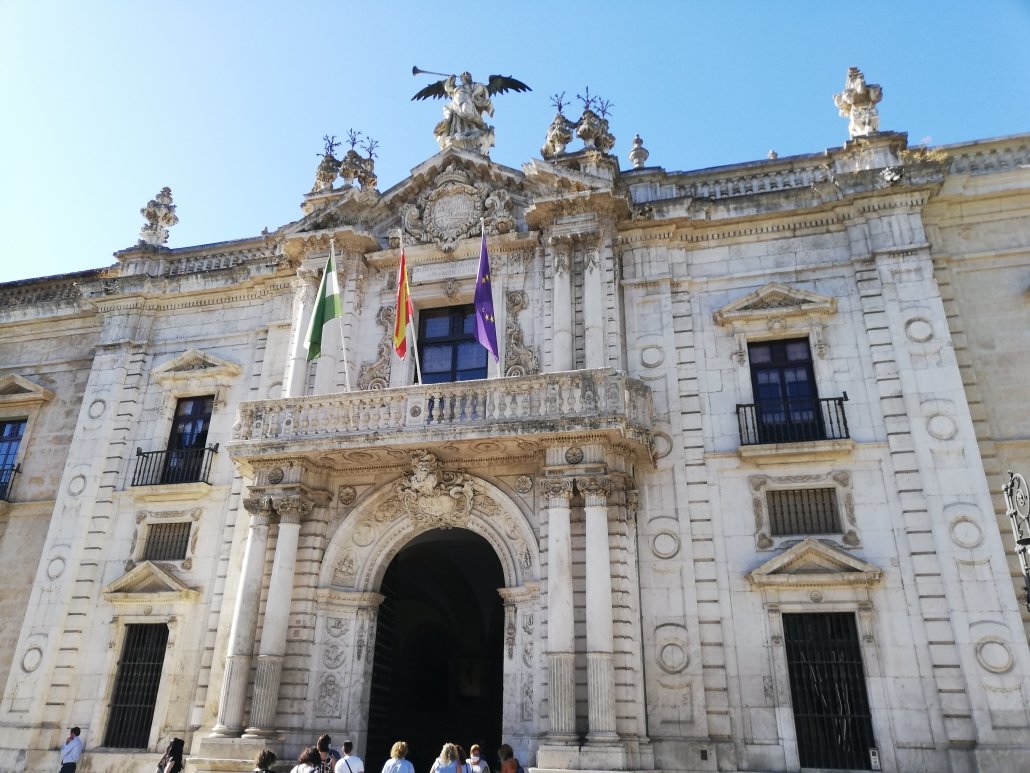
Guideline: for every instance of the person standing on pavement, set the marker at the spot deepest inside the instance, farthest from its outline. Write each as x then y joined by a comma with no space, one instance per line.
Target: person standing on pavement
328,754
350,762
475,761
71,752
398,762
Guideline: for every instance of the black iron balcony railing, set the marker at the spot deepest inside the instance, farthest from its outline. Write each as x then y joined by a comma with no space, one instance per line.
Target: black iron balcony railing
156,468
7,475
793,421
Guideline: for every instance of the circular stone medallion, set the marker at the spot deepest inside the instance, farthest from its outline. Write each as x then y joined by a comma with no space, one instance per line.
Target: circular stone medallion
452,214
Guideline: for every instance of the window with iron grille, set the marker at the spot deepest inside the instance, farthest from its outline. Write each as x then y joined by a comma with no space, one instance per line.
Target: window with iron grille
135,686
803,511
167,541
828,691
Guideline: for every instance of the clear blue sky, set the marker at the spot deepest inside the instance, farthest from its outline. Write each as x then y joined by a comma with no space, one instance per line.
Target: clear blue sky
105,102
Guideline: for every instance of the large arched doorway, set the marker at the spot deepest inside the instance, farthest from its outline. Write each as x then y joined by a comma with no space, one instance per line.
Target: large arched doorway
437,673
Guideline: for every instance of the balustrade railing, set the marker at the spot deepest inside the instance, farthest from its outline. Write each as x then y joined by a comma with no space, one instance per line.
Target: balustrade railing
7,475
190,465
793,421
528,403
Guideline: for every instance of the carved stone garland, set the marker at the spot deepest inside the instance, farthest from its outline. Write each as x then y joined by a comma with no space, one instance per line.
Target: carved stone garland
519,360
376,374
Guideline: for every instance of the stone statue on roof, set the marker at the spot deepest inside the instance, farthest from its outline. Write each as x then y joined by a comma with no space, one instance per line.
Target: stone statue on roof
463,124
857,102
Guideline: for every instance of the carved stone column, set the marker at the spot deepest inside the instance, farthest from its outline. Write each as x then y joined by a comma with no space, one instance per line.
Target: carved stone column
561,305
594,355
295,378
244,621
291,510
560,633
600,628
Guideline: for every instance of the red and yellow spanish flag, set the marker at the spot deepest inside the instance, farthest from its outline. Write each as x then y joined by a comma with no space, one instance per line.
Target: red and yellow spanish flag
405,310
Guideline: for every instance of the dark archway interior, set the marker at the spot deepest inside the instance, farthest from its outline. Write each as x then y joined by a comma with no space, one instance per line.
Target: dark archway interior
437,674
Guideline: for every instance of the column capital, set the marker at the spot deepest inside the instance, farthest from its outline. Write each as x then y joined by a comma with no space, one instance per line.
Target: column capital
632,503
595,488
292,509
260,509
557,490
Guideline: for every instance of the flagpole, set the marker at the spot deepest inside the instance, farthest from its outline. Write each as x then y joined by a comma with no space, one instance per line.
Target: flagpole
497,361
411,324
343,338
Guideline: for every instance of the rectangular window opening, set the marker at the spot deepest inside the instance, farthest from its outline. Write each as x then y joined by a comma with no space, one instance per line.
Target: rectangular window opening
803,511
447,345
11,433
167,541
136,683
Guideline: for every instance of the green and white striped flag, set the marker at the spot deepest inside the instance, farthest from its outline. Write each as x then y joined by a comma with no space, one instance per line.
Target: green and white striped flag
328,305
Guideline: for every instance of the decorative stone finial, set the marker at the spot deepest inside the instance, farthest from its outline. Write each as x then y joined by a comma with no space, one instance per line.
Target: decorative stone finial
593,125
160,216
328,167
773,155
638,154
857,102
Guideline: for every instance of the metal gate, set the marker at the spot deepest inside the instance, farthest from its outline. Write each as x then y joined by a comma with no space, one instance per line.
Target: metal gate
828,691
135,686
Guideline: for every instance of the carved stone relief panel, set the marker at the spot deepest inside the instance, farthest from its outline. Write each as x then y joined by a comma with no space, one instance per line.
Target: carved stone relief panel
452,210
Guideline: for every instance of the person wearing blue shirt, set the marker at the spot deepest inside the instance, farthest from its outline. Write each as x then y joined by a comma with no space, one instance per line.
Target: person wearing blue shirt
71,752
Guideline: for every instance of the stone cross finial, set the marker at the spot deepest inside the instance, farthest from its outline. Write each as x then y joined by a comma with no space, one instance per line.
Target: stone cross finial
857,102
160,215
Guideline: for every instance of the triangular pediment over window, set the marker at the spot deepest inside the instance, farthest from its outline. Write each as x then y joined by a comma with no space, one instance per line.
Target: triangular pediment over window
148,583
811,563
17,390
196,365
776,300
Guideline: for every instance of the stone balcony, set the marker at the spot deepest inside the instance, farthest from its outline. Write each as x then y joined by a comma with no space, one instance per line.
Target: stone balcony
491,417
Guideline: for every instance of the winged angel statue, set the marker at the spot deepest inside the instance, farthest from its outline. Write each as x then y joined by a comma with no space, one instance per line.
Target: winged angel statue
463,125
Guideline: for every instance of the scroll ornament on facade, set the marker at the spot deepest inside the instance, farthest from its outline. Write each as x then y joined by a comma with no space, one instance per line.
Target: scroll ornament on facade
519,360
376,374
857,102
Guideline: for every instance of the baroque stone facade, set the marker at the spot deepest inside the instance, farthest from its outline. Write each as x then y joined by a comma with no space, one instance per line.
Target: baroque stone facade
744,417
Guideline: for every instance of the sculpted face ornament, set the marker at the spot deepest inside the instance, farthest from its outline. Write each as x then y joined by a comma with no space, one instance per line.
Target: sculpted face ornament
433,497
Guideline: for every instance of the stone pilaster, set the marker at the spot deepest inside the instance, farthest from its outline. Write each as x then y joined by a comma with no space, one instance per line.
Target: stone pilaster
244,621
600,629
291,510
560,632
594,296
561,305
295,378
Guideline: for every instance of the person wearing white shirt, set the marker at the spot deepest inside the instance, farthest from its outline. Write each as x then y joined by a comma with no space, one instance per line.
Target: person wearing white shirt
71,752
475,762
349,763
